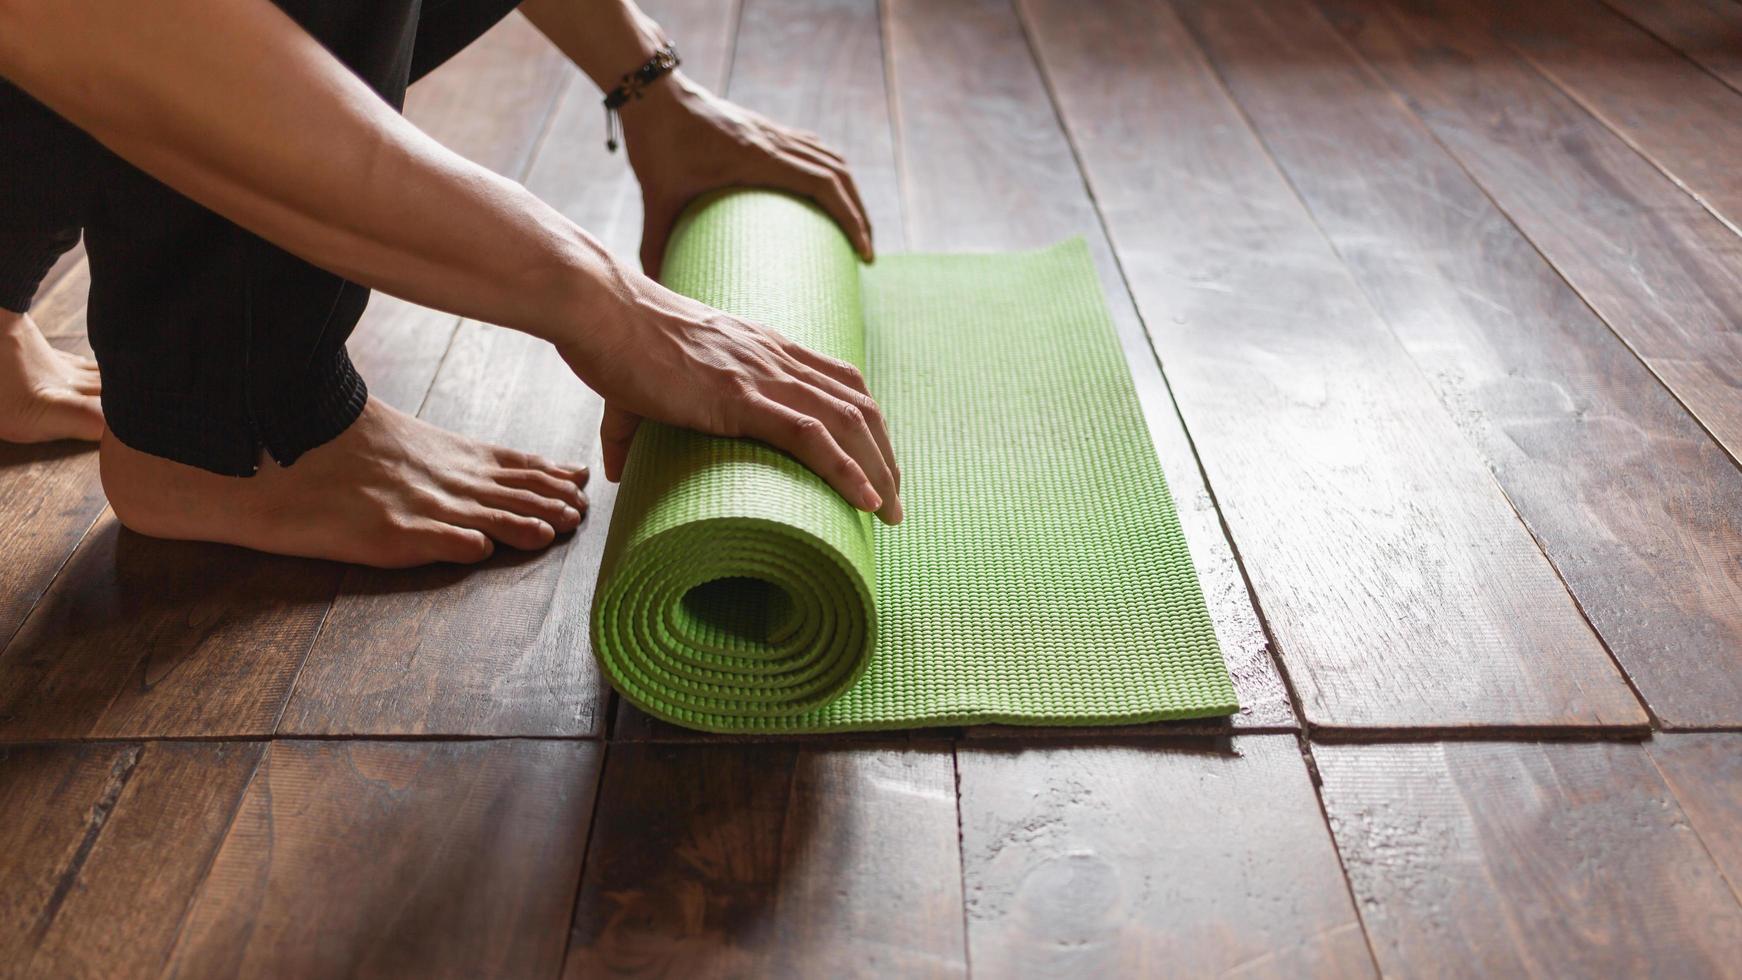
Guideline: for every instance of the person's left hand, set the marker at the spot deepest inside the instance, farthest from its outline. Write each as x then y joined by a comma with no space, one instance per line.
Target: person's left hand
684,141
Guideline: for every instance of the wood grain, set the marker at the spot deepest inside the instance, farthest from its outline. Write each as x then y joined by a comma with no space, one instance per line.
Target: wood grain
501,649
397,859
1661,270
1401,587
1705,773
147,638
105,845
1190,859
1627,495
1676,114
987,167
772,860
1708,31
1504,859
210,638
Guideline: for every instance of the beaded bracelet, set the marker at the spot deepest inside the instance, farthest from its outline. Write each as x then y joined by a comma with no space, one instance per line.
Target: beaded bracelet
661,64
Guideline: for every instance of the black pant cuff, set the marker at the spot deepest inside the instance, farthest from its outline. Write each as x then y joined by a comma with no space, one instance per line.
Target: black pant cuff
329,400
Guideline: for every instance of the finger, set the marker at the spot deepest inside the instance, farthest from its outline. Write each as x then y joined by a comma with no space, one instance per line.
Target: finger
809,439
829,191
616,433
852,430
852,389
856,396
86,383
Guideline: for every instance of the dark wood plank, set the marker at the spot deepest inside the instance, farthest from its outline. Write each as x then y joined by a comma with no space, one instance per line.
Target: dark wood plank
212,637
397,859
502,649
818,65
144,638
772,860
1705,773
1401,587
1661,270
1625,492
987,167
1153,860
1679,116
1708,31
1504,859
104,846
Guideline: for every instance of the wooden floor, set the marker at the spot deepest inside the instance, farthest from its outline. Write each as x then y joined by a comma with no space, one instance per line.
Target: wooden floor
1448,294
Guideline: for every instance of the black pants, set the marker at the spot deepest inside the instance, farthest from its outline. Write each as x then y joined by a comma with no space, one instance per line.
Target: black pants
214,344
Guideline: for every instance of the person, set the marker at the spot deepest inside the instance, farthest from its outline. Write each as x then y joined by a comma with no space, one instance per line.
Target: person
242,178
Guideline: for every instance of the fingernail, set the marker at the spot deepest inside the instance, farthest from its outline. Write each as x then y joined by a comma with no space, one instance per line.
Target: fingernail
571,514
895,511
869,498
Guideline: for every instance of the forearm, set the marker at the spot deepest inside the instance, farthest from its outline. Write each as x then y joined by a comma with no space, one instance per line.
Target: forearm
232,104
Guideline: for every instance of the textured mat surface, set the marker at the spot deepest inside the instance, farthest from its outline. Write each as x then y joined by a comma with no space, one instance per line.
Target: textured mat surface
1040,576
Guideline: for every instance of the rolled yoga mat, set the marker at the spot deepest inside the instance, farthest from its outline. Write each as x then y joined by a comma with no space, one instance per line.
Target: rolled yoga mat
1040,576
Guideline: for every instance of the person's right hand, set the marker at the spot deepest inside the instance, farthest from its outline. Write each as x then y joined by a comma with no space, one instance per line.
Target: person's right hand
659,355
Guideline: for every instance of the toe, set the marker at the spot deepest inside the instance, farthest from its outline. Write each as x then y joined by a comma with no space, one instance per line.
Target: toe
513,530
446,542
544,484
515,460
558,513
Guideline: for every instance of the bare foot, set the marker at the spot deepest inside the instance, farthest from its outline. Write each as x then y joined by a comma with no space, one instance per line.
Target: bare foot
390,491
45,394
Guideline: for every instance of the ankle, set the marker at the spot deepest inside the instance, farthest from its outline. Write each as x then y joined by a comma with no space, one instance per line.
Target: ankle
15,325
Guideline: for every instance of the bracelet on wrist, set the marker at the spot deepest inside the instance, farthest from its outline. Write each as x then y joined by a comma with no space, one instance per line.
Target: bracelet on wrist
663,63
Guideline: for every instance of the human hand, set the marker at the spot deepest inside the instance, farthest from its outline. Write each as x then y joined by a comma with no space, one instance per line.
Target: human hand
656,354
684,141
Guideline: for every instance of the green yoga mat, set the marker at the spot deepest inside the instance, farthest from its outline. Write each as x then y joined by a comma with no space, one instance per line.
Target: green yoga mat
1040,576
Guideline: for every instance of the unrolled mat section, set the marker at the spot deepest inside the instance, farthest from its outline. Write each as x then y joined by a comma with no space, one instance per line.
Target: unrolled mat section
1040,576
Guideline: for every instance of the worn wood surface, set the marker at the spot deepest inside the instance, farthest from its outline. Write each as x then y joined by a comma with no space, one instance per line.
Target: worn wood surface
1516,859
1708,31
1675,113
1627,495
396,859
772,860
1657,266
1367,283
1400,585
104,846
1705,773
1152,859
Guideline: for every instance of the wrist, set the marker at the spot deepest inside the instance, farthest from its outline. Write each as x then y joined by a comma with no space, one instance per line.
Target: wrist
576,289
